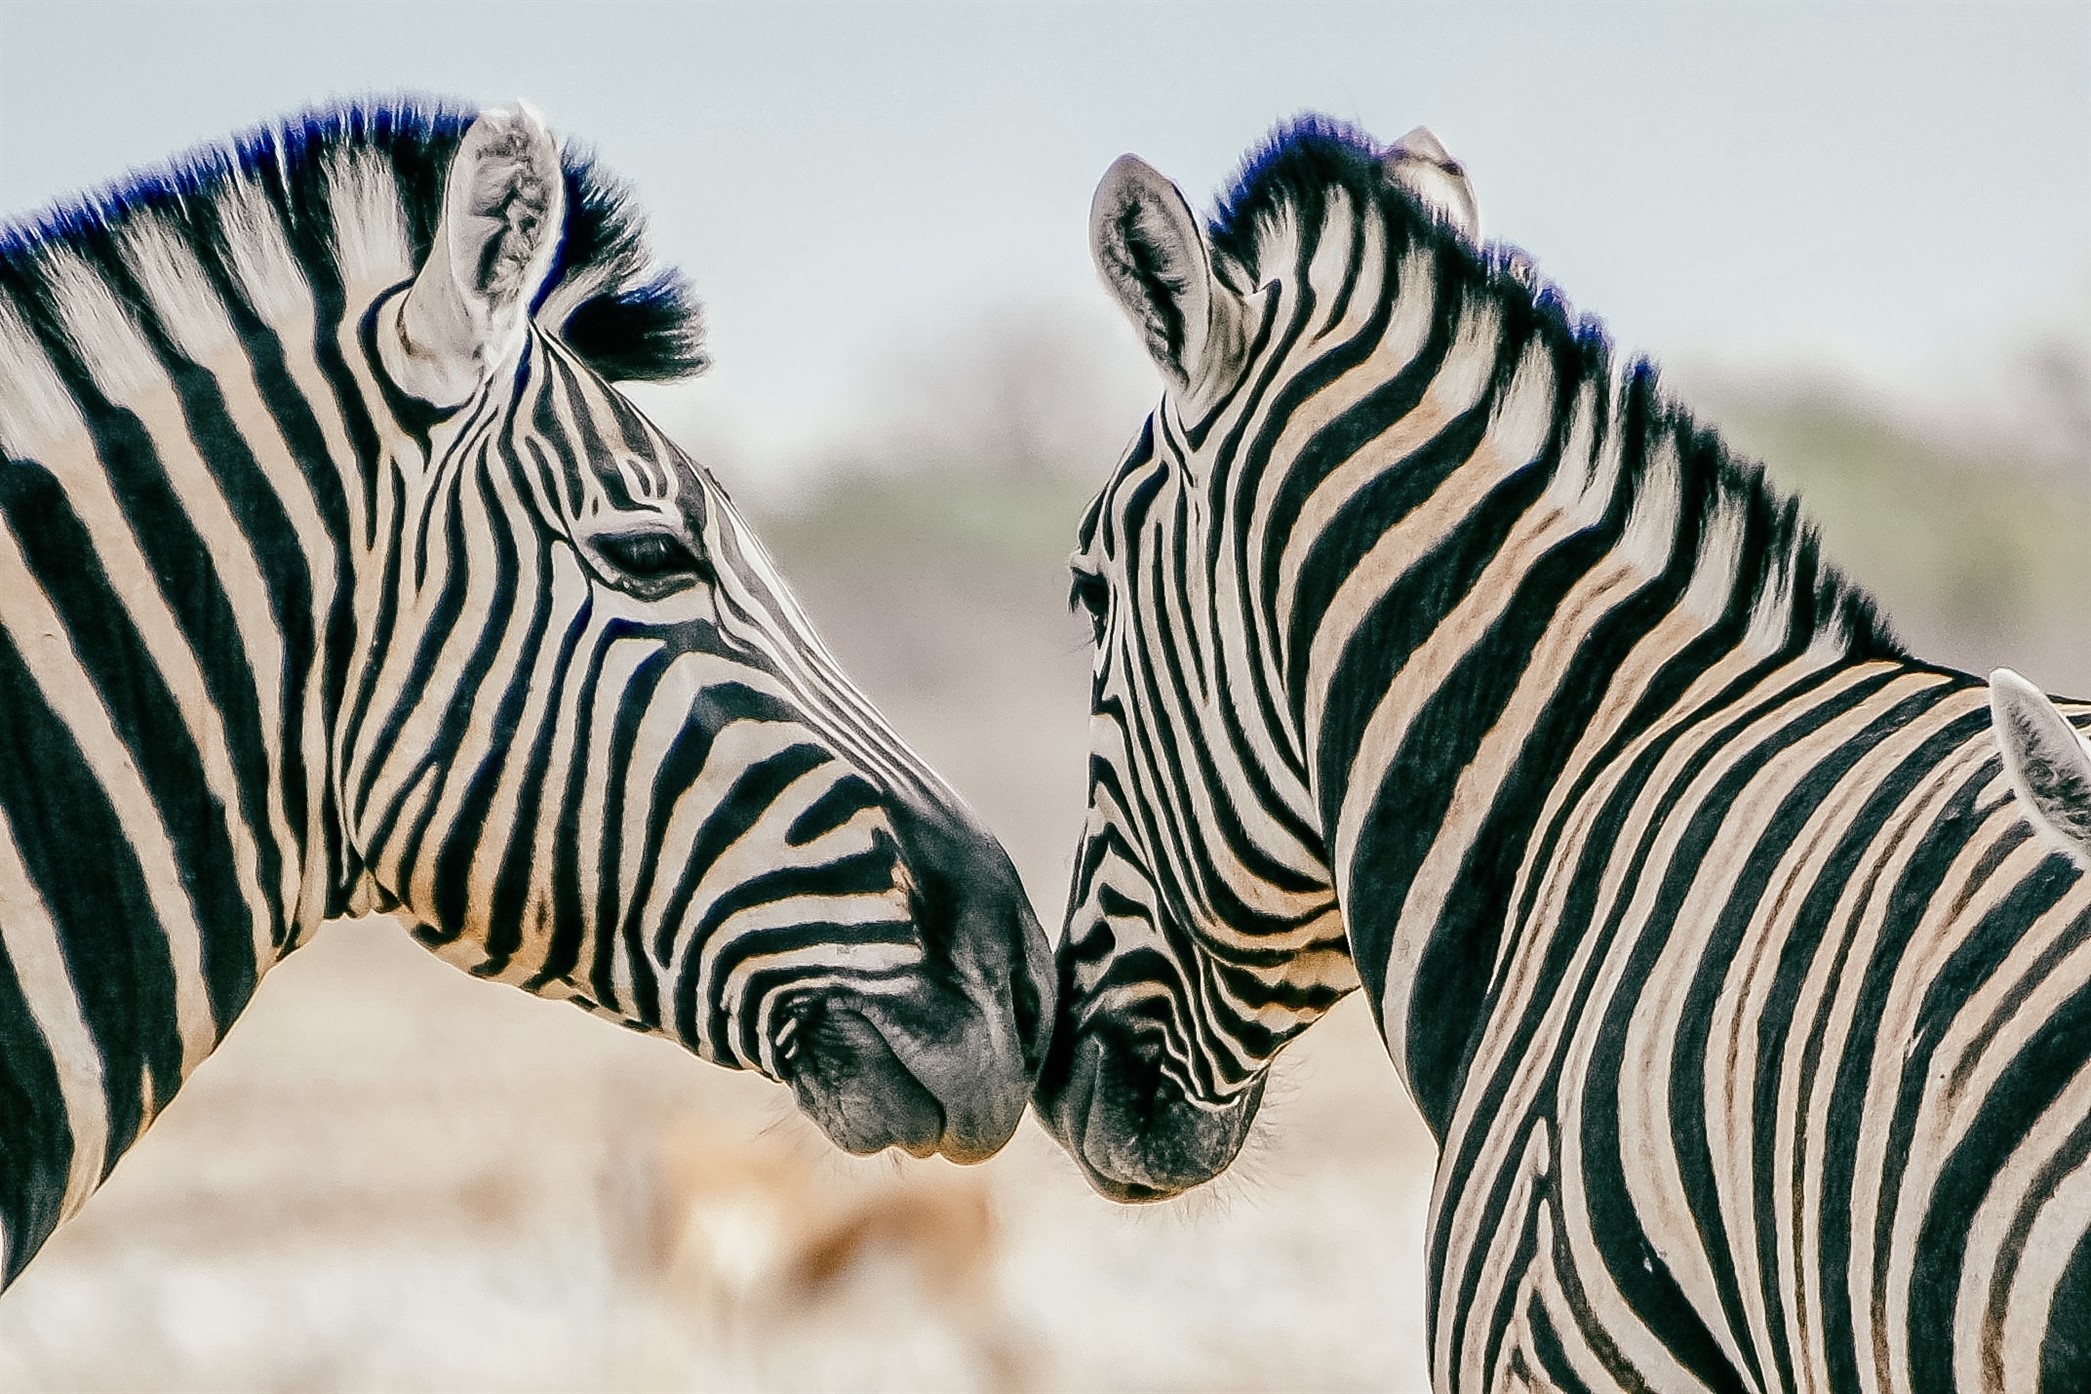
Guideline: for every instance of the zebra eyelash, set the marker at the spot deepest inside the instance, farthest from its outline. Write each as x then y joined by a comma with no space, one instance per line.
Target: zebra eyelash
1089,593
654,562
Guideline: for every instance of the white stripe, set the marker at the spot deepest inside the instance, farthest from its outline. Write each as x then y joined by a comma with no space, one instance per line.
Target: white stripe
370,236
175,286
47,649
30,939
267,270
2050,1243
35,408
123,560
98,326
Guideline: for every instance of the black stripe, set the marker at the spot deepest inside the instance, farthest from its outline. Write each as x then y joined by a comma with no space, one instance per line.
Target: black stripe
2065,1350
865,873
36,1137
2048,1061
141,707
114,948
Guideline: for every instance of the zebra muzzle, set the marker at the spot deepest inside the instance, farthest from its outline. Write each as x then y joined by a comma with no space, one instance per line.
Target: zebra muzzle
847,1079
1135,1134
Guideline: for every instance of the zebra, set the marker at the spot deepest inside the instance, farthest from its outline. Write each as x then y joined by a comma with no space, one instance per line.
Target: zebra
336,577
1738,960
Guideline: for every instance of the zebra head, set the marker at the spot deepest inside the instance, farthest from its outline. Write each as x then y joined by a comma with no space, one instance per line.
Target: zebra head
591,746
1203,927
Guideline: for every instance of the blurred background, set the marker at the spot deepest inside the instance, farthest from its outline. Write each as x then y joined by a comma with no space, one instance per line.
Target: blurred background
1857,237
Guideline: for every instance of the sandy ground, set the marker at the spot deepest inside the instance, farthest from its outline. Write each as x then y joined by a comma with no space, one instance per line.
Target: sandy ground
392,1177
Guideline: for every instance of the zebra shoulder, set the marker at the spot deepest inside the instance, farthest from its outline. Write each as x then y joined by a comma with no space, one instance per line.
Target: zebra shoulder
2047,762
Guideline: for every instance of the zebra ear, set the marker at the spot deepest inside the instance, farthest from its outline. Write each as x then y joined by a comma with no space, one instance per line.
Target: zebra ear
1419,165
1153,256
2047,762
504,207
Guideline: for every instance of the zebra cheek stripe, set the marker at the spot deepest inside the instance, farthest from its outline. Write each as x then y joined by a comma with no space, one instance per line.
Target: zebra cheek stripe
336,575
1739,961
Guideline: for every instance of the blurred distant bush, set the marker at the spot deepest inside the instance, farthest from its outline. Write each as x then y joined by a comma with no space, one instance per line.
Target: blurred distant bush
1977,531
979,521
989,445
1975,537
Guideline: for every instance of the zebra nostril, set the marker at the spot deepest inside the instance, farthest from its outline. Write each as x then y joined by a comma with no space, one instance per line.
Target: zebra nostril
1150,1080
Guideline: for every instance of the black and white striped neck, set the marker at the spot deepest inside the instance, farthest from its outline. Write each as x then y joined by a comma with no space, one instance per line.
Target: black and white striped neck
1487,551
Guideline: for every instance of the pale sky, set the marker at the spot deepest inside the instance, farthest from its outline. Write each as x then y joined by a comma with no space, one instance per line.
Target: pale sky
1900,194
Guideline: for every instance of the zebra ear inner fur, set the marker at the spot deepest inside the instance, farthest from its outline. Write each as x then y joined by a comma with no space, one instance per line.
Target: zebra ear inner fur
504,207
1154,258
2047,762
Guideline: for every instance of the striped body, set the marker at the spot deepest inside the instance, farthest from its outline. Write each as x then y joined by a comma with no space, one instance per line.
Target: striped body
282,638
1438,653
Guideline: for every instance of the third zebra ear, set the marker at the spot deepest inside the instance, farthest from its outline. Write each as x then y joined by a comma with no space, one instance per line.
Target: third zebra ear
1420,165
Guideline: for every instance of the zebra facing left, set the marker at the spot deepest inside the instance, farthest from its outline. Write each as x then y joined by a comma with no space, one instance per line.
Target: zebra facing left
335,575
1739,959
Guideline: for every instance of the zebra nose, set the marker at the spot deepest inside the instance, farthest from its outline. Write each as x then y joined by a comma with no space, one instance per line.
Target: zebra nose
999,945
975,918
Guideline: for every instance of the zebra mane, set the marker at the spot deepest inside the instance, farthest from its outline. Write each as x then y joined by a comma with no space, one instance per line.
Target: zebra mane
1295,166
1284,183
351,187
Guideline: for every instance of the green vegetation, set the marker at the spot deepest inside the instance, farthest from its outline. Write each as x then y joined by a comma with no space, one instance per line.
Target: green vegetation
984,522
1977,543
1972,533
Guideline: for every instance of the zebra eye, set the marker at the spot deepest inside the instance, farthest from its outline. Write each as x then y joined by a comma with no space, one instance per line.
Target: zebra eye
1090,593
655,559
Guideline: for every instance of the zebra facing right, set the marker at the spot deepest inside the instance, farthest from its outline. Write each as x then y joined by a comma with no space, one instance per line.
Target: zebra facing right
1739,960
335,574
